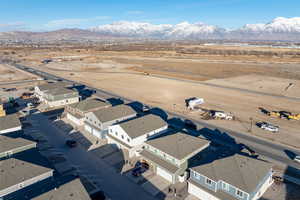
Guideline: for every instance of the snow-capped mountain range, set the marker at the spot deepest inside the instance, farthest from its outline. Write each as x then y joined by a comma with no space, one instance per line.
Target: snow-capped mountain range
279,29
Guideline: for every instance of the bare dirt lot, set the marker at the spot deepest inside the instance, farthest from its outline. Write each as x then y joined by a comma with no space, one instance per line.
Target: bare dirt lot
9,74
166,78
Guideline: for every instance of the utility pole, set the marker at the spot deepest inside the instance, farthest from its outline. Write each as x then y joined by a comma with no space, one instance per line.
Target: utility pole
251,125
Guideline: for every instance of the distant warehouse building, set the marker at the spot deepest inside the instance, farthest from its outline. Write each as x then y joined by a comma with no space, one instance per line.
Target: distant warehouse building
132,134
97,122
10,123
76,112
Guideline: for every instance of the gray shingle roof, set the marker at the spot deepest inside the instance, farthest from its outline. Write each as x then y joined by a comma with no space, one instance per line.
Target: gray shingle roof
240,171
60,91
9,121
142,125
49,86
159,161
179,145
14,171
113,113
89,104
69,191
9,144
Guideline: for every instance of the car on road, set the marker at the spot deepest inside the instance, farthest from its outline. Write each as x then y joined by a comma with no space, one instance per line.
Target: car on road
268,127
297,159
71,143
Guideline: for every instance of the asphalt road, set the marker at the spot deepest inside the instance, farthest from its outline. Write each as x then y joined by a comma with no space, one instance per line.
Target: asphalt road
275,152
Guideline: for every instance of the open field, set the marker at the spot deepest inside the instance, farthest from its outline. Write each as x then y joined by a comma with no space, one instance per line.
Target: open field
230,84
10,74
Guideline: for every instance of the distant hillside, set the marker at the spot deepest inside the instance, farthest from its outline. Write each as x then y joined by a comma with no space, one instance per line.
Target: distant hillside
279,29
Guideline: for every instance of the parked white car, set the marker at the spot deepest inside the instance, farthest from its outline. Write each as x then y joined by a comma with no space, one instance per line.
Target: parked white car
297,159
268,127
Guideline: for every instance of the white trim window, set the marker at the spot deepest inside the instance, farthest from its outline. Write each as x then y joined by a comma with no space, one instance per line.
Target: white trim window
196,175
208,181
225,186
239,193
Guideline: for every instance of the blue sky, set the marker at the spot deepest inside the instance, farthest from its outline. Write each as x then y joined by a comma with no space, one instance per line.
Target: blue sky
39,15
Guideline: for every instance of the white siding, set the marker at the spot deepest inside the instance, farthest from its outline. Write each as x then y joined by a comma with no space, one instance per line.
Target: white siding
199,193
25,183
163,173
74,119
263,188
62,102
18,128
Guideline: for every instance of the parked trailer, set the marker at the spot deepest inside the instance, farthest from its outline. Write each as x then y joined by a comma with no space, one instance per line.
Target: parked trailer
193,102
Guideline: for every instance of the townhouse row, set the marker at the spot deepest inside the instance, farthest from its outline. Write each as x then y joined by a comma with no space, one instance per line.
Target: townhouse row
170,153
25,173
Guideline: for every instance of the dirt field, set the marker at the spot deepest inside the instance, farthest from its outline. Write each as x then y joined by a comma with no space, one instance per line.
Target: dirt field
174,77
9,74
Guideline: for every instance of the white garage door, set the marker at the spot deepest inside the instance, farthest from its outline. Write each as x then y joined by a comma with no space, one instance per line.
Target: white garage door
88,128
97,133
201,194
73,119
163,173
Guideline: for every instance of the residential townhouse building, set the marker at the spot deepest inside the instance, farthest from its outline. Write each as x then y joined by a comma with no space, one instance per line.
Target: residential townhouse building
169,154
236,177
10,146
9,124
97,122
73,190
132,134
76,112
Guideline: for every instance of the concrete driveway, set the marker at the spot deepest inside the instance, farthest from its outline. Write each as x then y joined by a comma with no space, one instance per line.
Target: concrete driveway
155,184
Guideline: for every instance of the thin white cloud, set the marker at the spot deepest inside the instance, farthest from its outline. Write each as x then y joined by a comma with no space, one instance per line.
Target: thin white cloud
13,26
72,22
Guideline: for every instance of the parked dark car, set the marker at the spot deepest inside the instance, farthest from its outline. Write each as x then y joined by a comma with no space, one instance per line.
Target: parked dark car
138,171
71,143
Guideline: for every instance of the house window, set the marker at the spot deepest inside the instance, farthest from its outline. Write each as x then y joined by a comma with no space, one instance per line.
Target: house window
128,140
196,175
239,193
225,186
208,181
122,136
116,133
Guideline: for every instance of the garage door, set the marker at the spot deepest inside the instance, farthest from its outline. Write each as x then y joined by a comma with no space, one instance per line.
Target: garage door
97,133
88,128
163,173
201,194
73,119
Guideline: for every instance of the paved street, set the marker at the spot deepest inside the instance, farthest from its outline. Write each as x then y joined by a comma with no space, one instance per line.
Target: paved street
117,187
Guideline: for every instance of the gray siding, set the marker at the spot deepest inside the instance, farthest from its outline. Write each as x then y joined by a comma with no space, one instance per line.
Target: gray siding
199,178
217,185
